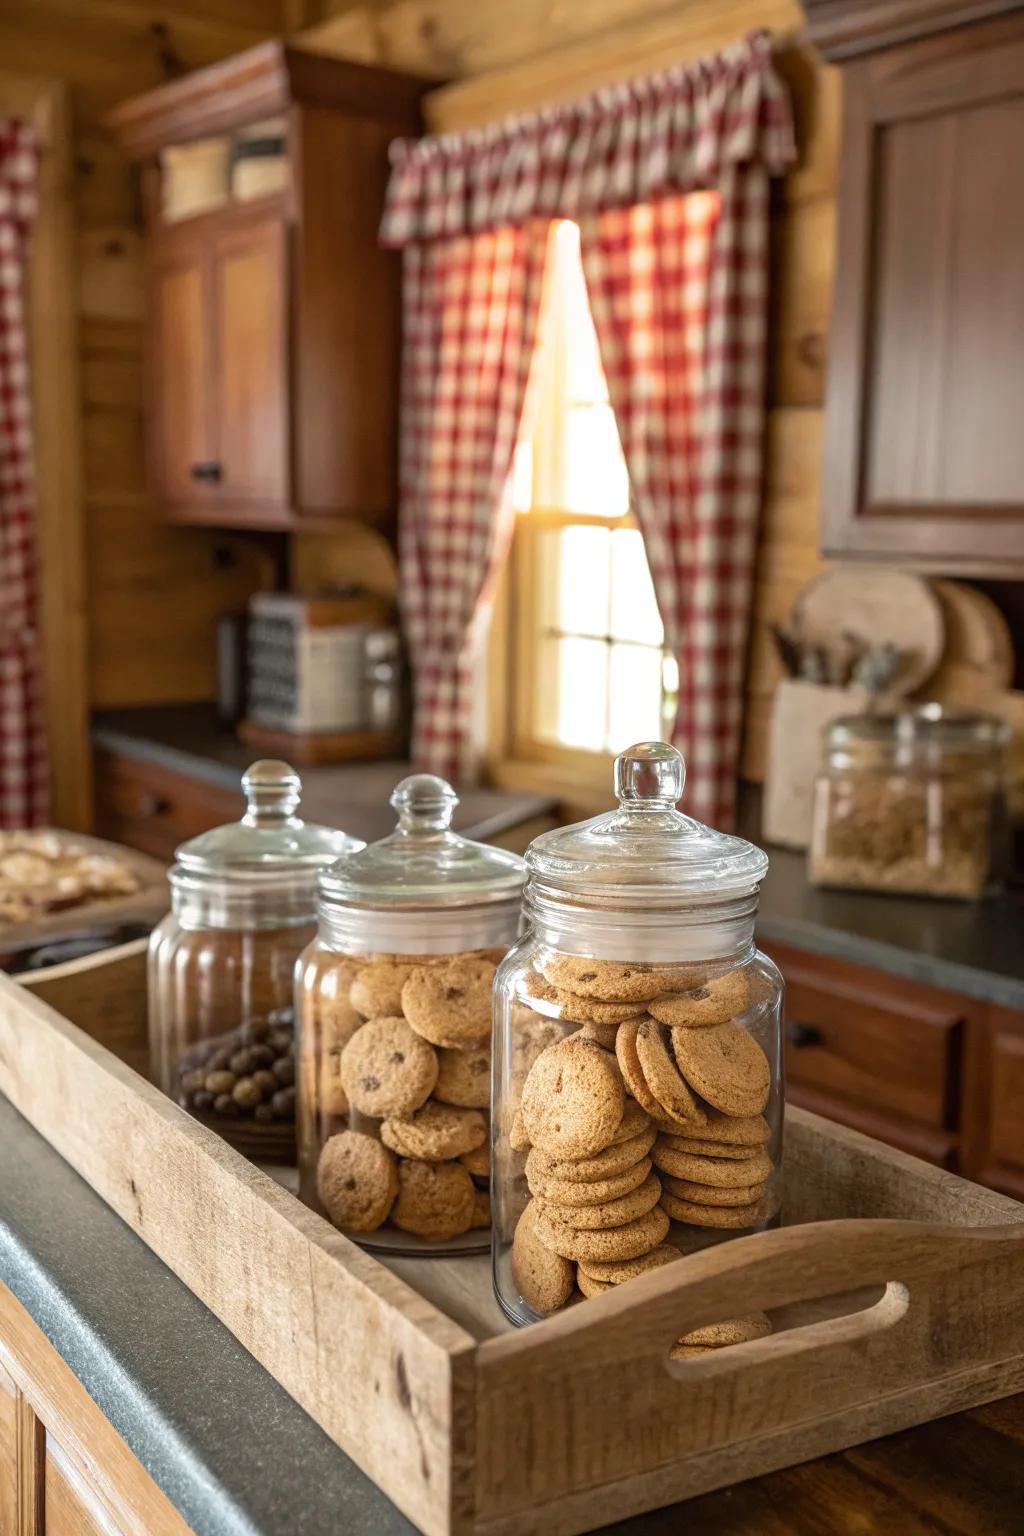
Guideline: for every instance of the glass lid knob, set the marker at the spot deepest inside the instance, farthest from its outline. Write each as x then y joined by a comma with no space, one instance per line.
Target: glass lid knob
652,773
272,792
424,803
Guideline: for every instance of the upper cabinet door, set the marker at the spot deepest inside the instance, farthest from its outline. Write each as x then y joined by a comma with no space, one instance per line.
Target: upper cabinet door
184,438
251,325
924,451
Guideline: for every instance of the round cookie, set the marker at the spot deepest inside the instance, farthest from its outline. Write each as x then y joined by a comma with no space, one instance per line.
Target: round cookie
543,1277
376,991
575,1009
386,1069
661,1073
611,1213
605,980
357,1181
618,1271
478,1162
481,1208
572,1099
603,1034
435,1133
434,1199
451,1004
517,1137
733,1130
590,1288
690,1351
715,1001
705,1194
575,1192
603,1165
629,1066
738,1330
718,1172
634,1122
737,1217
625,1242
726,1066
464,1077
720,1149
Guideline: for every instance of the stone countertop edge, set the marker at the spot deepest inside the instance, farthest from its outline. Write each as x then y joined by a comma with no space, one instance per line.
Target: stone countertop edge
234,1454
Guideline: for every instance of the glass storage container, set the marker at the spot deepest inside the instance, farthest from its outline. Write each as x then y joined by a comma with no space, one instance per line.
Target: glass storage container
394,1050
222,964
910,802
638,1072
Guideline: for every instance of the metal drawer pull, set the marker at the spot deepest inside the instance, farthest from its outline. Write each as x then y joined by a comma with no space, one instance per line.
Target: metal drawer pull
800,1036
209,470
154,805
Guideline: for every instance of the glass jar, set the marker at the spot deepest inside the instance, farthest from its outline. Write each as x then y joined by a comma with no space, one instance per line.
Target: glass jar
910,802
394,1008
222,965
638,1070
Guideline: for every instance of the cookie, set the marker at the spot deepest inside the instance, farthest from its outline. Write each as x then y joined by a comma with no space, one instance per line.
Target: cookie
589,1287
575,1192
625,1242
740,1131
386,1069
434,1199
739,1330
633,1123
603,1165
517,1137
574,1009
676,1143
611,1213
435,1133
738,1217
336,1023
451,1004
715,1001
605,980
481,1209
357,1181
544,1279
618,1271
376,991
661,1073
629,1066
726,1066
718,1172
603,1034
706,1194
464,1077
690,1351
572,1099
478,1162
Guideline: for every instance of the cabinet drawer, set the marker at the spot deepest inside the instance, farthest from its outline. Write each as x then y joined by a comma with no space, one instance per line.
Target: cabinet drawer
152,808
880,1046
994,1139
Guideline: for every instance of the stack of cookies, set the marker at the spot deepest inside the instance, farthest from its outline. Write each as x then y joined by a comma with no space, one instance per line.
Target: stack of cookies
395,1083
651,1111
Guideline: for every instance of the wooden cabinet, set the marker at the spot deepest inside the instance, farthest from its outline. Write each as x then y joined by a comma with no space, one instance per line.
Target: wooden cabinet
64,1470
152,808
924,457
274,324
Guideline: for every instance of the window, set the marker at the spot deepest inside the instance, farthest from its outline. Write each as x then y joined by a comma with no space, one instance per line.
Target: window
586,671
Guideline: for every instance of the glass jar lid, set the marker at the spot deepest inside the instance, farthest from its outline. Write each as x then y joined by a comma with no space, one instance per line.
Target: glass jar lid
925,732
423,864
270,843
646,853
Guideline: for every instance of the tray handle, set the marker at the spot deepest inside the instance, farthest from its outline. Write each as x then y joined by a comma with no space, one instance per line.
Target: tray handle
766,1270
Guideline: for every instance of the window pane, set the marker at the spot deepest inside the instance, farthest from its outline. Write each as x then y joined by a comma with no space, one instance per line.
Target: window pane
634,608
595,470
522,476
576,715
583,579
634,712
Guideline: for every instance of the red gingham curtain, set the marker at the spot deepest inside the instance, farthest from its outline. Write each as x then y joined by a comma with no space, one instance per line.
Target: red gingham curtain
24,779
668,180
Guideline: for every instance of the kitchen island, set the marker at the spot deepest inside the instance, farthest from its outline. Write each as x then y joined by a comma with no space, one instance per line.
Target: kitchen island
213,1443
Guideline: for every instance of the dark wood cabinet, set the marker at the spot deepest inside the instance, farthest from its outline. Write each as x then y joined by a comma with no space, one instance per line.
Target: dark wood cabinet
152,808
924,457
274,323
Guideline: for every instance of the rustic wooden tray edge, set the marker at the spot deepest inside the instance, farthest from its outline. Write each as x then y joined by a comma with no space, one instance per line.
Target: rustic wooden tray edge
439,1421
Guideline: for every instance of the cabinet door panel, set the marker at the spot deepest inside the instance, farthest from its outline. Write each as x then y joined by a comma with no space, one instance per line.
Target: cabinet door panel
8,1454
252,363
184,425
71,1508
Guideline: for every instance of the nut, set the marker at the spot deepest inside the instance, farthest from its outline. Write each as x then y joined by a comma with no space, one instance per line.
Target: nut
247,1092
219,1083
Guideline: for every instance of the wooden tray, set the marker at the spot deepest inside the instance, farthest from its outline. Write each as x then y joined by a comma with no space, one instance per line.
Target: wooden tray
897,1291
146,905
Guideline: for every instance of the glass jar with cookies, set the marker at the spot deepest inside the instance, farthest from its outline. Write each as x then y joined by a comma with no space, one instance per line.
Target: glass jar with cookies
222,964
393,999
638,1068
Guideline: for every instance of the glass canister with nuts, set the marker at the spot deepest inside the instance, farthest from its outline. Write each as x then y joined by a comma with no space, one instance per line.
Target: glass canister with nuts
638,1073
222,965
393,999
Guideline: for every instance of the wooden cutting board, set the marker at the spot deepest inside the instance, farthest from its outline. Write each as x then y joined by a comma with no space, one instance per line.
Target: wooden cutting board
977,662
878,605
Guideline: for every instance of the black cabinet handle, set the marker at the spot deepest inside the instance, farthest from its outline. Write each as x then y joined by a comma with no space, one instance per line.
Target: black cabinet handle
209,470
154,805
801,1036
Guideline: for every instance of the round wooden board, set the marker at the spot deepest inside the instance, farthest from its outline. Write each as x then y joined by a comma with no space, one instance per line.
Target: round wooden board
978,660
879,606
